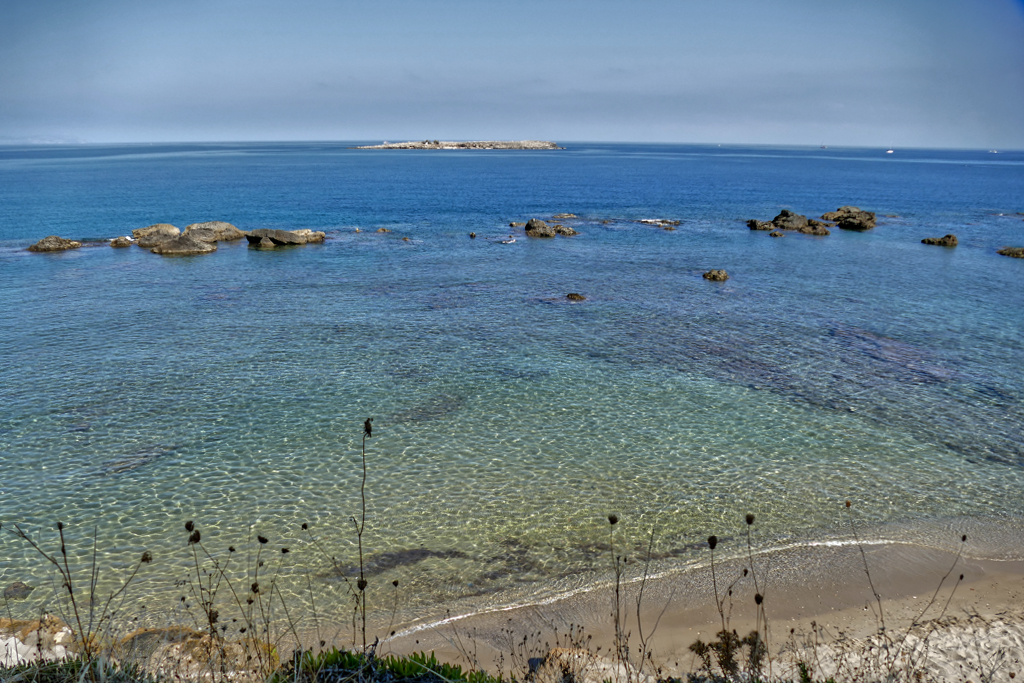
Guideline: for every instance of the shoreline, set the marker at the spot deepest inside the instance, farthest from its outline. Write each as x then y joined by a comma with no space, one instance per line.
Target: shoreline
808,588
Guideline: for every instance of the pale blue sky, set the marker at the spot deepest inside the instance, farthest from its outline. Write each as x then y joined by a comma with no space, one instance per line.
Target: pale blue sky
938,73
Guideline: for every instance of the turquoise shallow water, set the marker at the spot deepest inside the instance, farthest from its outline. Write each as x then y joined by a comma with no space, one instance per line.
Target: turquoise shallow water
140,391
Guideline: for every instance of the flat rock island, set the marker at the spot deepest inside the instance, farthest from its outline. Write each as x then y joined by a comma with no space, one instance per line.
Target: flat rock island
479,144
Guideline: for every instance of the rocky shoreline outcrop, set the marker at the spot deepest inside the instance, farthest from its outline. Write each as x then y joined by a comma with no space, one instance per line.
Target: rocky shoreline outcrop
478,144
197,238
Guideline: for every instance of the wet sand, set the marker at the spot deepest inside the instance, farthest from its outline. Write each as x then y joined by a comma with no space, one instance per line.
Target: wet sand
807,590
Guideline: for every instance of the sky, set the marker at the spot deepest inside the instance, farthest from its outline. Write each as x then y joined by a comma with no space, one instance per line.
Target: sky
902,73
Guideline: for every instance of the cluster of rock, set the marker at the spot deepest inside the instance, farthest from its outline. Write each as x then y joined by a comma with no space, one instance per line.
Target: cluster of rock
846,217
538,228
851,218
478,144
21,641
197,238
716,275
1015,252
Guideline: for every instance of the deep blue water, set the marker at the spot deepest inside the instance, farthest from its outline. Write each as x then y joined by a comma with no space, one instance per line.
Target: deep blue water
140,391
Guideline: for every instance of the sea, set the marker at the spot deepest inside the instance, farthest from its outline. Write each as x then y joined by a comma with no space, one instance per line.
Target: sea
230,390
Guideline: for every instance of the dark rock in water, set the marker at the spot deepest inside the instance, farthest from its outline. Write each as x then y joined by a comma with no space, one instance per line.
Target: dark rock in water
472,235
755,224
776,233
18,590
54,243
538,228
1015,252
788,220
563,216
947,241
183,245
813,227
851,218
564,230
383,230
278,237
514,224
573,296
119,242
716,275
214,231
401,558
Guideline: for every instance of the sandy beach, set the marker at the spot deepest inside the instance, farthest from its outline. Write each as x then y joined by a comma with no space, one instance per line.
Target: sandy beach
973,630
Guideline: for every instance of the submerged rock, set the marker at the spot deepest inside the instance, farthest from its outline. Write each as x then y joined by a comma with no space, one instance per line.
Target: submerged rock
17,591
183,245
1015,252
564,230
214,231
120,242
947,241
573,296
515,224
716,275
54,243
755,224
563,216
538,228
776,233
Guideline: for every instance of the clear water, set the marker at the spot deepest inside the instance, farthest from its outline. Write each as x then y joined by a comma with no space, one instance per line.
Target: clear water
139,391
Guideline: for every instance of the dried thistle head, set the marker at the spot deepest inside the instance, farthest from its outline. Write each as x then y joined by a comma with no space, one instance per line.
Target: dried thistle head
60,526
189,526
758,598
712,541
194,537
255,588
304,526
963,539
368,426
848,503
613,519
361,584
285,551
395,583
750,519
146,558
262,540
231,548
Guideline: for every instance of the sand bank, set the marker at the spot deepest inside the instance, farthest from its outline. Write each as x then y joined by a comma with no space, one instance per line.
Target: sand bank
812,593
